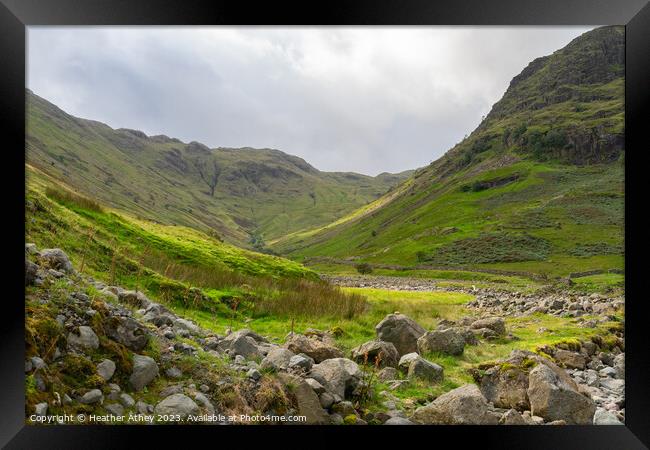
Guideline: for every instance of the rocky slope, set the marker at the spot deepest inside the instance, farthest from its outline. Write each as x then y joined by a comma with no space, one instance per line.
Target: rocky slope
103,354
245,195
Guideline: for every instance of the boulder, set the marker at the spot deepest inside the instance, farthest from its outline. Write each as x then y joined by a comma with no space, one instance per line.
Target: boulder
512,417
425,370
133,298
128,332
85,339
307,401
40,409
619,365
570,360
92,396
604,417
462,406
505,385
203,401
277,358
243,342
406,360
144,371
301,362
398,421
402,331
340,376
388,373
447,341
552,398
376,353
31,272
106,369
177,404
314,347
496,324
115,409
188,325
57,259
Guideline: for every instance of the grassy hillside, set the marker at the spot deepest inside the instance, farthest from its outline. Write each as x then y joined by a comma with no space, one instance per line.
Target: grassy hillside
537,187
180,266
246,195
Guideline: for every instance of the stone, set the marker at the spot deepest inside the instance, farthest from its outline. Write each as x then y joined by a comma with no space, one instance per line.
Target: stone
244,346
570,360
277,358
619,365
57,259
92,396
339,376
425,370
128,332
447,341
309,404
406,360
315,385
203,401
177,404
326,400
106,369
115,409
604,417
512,417
398,421
344,408
174,372
40,409
254,374
143,408
144,371
402,331
376,353
317,349
187,325
31,272
554,398
301,362
387,373
613,384
496,324
172,389
37,363
607,372
85,338
462,406
126,400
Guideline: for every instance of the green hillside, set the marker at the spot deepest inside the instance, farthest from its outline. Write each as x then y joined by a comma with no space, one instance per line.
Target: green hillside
537,187
246,196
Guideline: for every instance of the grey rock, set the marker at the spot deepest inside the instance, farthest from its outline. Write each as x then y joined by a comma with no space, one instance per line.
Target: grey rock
447,341
126,400
177,404
570,360
619,365
326,400
402,331
57,259
462,406
188,325
425,370
398,421
85,339
173,372
254,374
145,370
143,408
339,376
301,362
203,401
377,353
92,396
40,409
406,360
277,358
106,369
387,373
512,417
115,409
313,346
127,331
554,398
604,417
496,324
315,385
309,404
38,363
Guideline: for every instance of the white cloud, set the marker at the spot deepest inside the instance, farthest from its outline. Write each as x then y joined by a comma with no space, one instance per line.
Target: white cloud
365,99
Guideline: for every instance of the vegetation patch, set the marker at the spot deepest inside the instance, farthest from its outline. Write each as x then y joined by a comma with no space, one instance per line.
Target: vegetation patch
489,248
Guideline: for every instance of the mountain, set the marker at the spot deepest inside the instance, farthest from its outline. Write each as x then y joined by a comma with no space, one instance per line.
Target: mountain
537,186
244,195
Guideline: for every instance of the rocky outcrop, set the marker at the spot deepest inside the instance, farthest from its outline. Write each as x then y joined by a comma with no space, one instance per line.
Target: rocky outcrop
377,353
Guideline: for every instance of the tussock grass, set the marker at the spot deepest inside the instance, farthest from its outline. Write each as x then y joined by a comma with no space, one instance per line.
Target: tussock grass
70,198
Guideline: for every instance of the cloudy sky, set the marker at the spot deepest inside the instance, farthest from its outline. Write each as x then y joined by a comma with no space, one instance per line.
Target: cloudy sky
363,99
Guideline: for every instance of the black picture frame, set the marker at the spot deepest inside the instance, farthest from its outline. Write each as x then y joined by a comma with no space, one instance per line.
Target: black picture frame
15,15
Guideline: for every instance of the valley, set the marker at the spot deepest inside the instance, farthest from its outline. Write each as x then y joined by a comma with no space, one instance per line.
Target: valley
170,279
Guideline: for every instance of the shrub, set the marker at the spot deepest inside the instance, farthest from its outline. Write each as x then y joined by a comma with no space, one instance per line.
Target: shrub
364,268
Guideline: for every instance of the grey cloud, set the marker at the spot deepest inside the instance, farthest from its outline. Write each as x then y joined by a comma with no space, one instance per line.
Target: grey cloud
362,99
